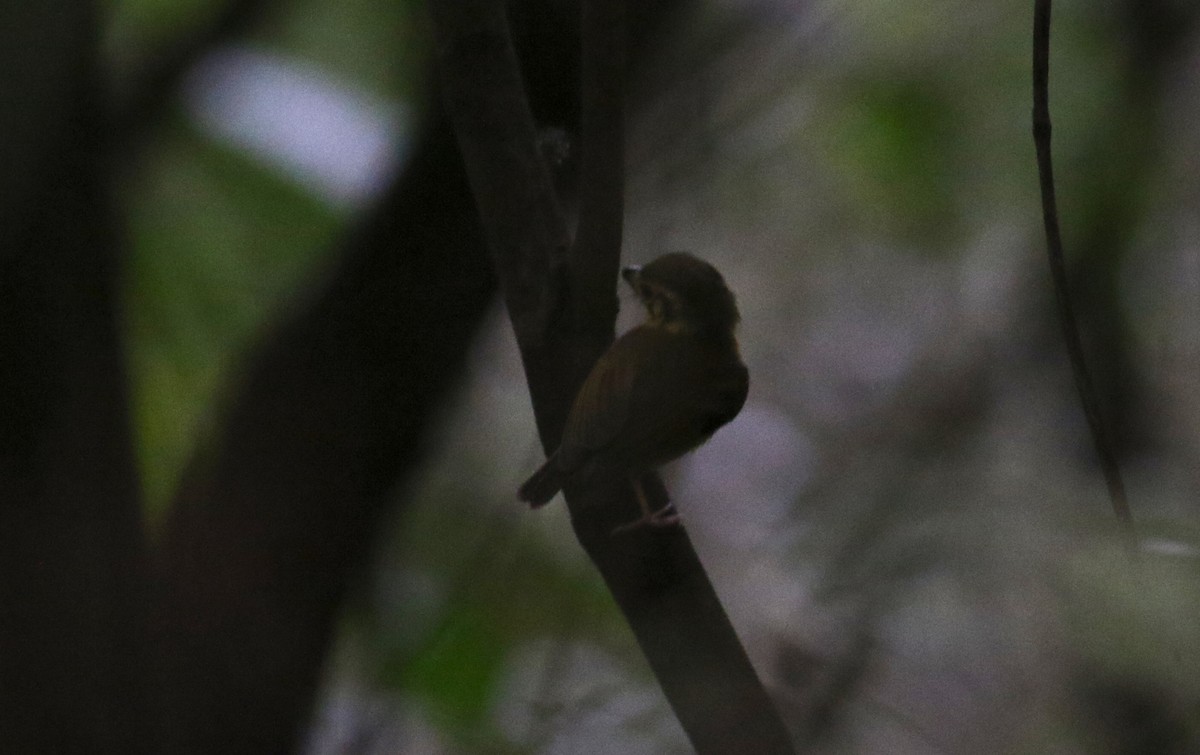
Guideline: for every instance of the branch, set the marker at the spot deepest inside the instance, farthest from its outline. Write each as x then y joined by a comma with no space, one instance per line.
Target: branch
526,231
596,256
263,538
563,322
1066,311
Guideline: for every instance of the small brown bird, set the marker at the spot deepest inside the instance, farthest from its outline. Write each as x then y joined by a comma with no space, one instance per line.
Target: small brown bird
660,390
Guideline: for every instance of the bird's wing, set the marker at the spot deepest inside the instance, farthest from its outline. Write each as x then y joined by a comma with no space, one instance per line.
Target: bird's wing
703,392
726,399
602,407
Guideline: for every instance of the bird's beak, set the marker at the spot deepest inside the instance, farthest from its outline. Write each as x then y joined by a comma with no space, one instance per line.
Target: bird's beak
631,273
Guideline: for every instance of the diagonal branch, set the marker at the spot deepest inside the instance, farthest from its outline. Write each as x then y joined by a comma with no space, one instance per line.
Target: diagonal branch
270,525
596,254
563,312
1058,269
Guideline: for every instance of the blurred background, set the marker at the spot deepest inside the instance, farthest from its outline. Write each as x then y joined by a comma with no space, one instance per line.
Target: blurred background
906,523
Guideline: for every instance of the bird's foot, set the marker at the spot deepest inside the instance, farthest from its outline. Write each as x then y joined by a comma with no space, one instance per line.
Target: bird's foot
667,516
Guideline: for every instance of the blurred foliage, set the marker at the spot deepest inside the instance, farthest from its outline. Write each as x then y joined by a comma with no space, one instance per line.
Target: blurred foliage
136,27
218,244
220,241
896,133
378,44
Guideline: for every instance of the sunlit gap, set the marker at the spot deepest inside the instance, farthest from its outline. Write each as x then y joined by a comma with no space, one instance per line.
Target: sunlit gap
333,139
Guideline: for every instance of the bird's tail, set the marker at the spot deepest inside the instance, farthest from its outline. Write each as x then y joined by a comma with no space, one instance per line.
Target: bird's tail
543,485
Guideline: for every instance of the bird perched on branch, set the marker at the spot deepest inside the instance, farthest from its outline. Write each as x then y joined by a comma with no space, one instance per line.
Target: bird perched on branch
659,391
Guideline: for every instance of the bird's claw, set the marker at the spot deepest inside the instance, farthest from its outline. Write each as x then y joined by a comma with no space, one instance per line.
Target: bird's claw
667,516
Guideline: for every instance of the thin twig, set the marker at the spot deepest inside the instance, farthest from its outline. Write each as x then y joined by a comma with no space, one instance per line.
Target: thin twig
1066,311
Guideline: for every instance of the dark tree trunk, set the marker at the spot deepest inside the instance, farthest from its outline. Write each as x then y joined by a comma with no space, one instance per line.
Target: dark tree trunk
72,556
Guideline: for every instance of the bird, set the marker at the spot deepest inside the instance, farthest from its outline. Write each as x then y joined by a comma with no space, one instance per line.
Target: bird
659,391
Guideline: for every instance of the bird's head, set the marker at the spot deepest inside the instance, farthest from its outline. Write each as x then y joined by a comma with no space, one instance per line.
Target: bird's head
682,291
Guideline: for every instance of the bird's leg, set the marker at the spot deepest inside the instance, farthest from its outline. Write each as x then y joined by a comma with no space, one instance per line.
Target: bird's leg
664,517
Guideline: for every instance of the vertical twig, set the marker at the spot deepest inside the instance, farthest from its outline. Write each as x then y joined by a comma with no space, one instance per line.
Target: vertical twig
1066,312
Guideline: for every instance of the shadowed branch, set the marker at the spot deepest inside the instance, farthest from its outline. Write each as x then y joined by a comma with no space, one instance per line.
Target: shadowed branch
653,574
